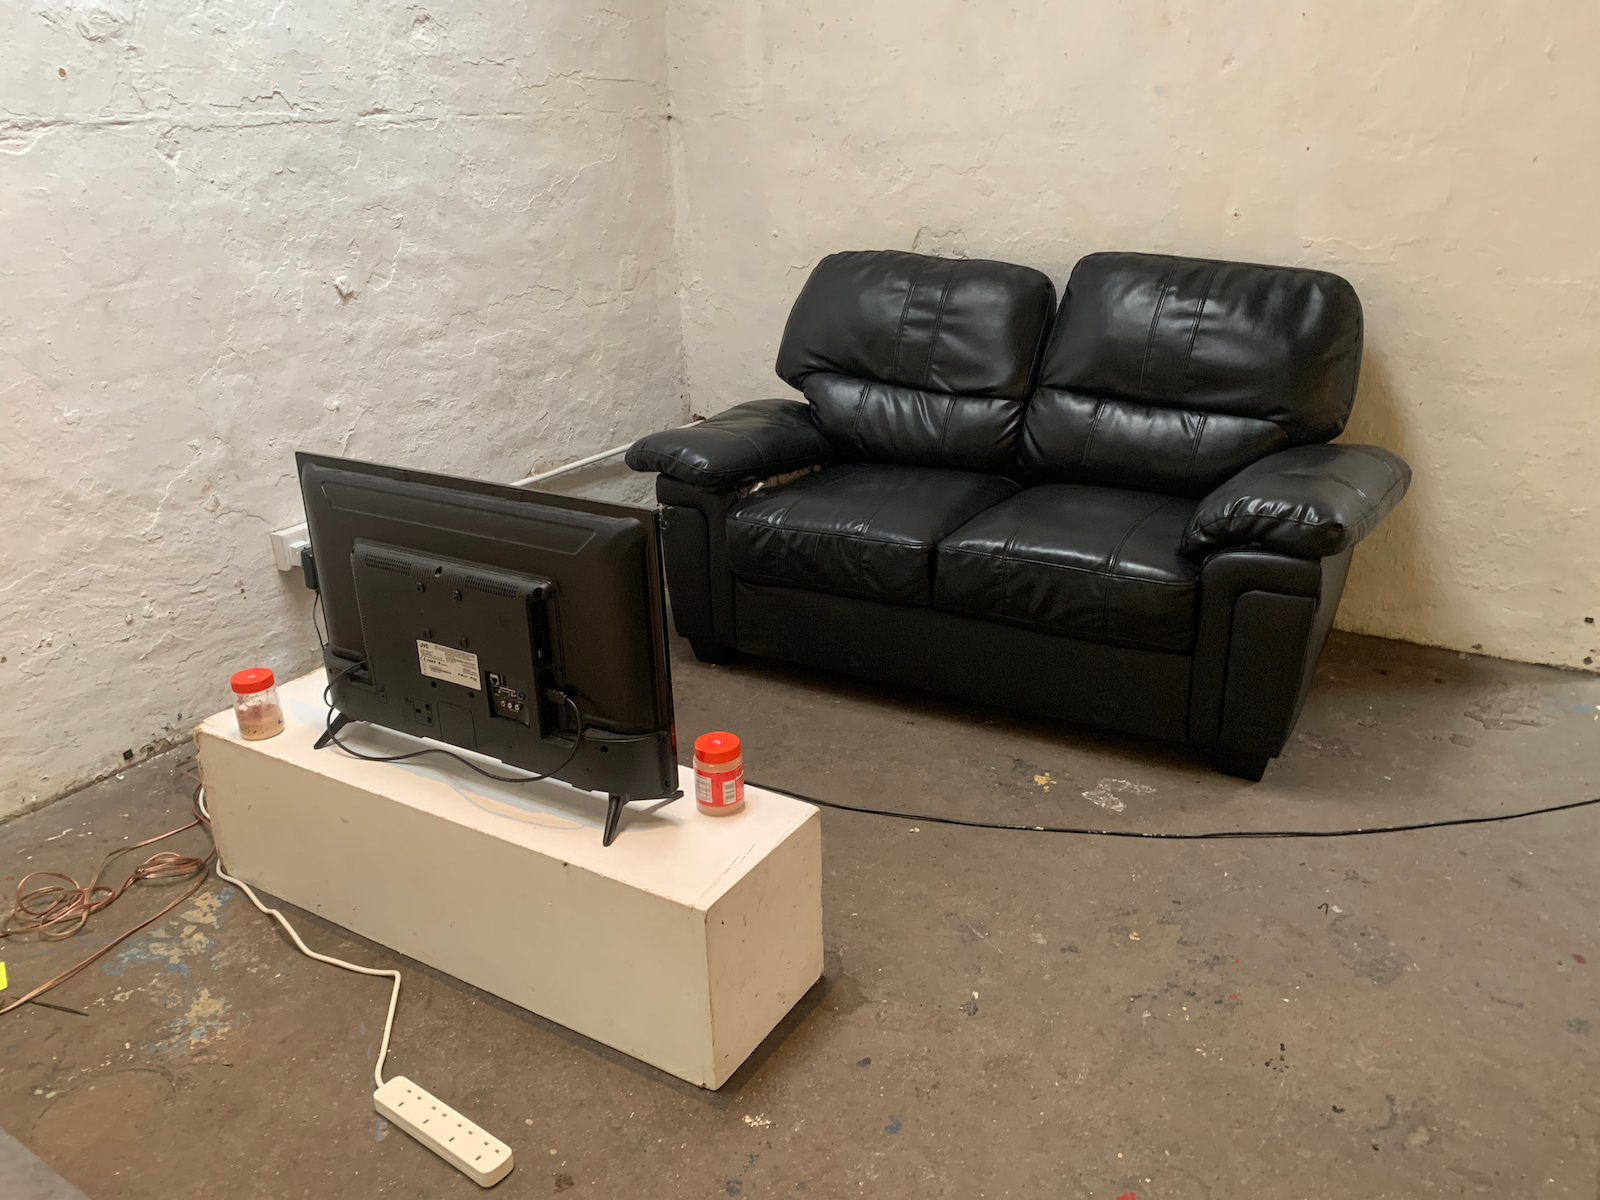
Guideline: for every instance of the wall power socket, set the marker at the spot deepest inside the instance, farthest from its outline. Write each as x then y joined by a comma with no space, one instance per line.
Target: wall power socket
481,1156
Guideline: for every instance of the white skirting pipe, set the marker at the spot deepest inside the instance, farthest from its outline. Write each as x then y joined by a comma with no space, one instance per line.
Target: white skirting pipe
579,464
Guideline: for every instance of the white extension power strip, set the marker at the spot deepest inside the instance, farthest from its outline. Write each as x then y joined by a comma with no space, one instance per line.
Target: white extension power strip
481,1156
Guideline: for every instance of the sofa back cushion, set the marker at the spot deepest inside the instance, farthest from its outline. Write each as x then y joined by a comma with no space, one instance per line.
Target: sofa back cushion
917,360
1172,374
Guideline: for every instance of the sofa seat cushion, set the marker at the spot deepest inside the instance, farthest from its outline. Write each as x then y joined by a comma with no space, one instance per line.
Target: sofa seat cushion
1091,562
858,529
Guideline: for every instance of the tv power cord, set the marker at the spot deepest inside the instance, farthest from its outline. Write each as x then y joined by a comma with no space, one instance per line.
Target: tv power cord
330,731
614,803
331,728
481,1156
1159,835
928,818
1079,830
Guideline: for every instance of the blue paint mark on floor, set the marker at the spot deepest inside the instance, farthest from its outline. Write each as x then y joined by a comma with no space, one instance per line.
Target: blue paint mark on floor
140,954
894,1124
179,938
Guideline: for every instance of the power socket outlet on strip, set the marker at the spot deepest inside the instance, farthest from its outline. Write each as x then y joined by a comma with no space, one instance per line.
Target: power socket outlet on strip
481,1156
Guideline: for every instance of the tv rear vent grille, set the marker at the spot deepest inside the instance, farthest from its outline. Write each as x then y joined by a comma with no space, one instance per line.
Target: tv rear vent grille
388,564
493,586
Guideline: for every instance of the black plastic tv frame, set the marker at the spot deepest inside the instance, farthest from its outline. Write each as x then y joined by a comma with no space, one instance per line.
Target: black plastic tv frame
521,625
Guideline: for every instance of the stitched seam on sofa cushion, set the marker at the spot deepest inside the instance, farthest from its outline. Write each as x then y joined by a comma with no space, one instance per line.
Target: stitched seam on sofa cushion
1094,424
944,429
1050,566
938,323
1194,330
787,575
836,589
1111,563
861,539
1006,559
782,466
835,533
1398,477
862,536
1366,515
1155,318
1356,488
1194,450
905,310
1317,473
676,458
761,460
861,407
786,545
1155,646
1399,482
745,437
867,524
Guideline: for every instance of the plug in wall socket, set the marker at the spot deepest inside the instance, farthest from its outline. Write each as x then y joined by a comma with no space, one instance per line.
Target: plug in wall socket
481,1156
287,544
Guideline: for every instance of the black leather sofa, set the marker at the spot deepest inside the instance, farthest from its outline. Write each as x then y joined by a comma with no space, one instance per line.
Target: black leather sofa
1123,511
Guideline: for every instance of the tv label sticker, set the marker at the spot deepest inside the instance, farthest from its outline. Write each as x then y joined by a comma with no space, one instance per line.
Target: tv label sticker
452,666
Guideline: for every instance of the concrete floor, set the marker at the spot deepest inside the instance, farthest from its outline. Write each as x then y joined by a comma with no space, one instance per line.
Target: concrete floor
1002,1014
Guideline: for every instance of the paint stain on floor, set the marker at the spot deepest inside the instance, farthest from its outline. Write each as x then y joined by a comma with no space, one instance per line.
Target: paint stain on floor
204,1022
172,945
1108,793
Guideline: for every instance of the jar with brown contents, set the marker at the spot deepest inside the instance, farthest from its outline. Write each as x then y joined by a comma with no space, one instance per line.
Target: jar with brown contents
255,704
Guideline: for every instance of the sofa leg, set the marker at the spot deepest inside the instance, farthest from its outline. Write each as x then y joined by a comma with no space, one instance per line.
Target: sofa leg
1241,764
719,655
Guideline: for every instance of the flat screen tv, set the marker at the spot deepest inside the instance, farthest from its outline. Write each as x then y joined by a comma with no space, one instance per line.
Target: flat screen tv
521,625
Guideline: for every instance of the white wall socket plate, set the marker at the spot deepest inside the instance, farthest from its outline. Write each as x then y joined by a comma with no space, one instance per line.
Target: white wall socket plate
287,544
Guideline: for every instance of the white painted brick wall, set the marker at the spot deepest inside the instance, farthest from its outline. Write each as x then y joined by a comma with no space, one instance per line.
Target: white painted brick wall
437,234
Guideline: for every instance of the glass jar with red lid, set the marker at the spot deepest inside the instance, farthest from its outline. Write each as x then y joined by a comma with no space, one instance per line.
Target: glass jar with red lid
255,703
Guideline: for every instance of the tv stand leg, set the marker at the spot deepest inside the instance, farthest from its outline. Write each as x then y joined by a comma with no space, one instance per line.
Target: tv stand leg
328,734
614,805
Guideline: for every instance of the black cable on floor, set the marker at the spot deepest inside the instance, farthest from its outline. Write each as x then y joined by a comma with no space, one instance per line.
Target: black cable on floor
1226,834
926,818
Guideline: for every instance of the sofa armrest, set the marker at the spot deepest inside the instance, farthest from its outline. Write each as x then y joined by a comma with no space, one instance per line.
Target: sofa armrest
743,445
1307,502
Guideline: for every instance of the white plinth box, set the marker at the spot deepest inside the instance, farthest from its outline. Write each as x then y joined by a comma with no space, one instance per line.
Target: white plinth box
682,944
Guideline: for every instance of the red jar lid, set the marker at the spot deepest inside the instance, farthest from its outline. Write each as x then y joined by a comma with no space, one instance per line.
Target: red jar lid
716,747
252,679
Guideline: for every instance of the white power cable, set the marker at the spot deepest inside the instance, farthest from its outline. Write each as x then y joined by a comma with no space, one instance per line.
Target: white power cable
394,997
